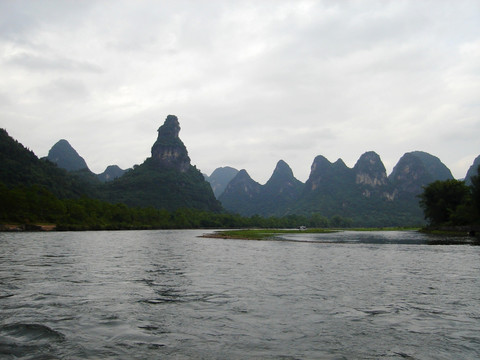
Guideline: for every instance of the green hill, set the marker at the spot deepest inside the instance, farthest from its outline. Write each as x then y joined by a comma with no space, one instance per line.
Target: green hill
166,180
21,167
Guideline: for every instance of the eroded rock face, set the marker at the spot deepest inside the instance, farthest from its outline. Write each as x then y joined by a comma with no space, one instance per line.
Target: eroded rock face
324,174
417,169
369,170
169,151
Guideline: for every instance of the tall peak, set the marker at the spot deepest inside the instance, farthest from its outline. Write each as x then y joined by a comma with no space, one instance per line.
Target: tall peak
170,128
66,157
283,169
283,187
169,151
370,170
416,169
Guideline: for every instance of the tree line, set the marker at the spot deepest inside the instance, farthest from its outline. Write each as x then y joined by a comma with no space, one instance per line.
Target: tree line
452,202
36,205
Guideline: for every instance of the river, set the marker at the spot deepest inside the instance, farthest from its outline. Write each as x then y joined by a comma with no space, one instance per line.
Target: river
175,295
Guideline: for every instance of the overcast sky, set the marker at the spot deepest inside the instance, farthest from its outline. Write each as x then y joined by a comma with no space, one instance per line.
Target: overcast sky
252,82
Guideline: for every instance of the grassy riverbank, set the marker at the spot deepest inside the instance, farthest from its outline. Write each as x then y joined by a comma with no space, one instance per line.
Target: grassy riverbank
266,234
262,234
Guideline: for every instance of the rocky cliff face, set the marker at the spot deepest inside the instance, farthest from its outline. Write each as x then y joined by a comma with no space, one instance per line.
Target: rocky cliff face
66,157
433,166
369,170
169,151
371,176
166,180
415,170
325,175
363,193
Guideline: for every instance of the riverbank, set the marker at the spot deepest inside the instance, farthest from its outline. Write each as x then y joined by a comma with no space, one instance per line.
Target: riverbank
466,230
261,234
437,237
27,227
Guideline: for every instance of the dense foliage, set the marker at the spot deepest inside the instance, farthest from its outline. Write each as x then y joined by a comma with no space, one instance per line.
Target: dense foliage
162,188
452,202
21,166
37,205
145,185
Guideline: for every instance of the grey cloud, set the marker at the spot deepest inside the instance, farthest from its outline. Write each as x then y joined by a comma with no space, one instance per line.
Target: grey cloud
54,64
5,99
63,90
251,82
21,17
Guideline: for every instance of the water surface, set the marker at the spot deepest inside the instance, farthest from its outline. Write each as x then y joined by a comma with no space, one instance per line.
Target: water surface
171,294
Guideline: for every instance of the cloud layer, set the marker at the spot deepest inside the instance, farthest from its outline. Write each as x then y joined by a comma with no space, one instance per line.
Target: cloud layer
252,82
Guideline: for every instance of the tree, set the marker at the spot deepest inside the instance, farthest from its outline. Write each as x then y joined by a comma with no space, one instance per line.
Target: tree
440,200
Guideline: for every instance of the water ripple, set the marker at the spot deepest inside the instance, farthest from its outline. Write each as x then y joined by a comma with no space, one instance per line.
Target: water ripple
169,294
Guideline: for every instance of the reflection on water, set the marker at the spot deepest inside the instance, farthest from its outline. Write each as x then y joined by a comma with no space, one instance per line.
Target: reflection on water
170,294
380,237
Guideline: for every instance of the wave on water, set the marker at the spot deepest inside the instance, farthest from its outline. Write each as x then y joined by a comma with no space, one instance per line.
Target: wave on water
18,340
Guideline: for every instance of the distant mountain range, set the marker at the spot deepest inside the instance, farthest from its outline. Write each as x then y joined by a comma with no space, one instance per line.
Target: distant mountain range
220,178
66,157
365,194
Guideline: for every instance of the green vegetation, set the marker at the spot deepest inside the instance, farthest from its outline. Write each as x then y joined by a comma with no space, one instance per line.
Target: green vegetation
149,185
34,191
36,204
263,234
20,166
271,234
451,202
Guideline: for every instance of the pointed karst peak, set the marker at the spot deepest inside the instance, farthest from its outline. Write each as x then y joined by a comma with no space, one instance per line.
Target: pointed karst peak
340,163
169,151
170,128
320,162
66,157
322,165
282,184
243,175
370,170
242,180
282,171
282,167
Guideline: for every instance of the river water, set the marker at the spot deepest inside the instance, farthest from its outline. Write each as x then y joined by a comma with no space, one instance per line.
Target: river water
174,295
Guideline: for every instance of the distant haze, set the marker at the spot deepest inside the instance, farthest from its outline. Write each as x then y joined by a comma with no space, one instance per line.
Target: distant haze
250,82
